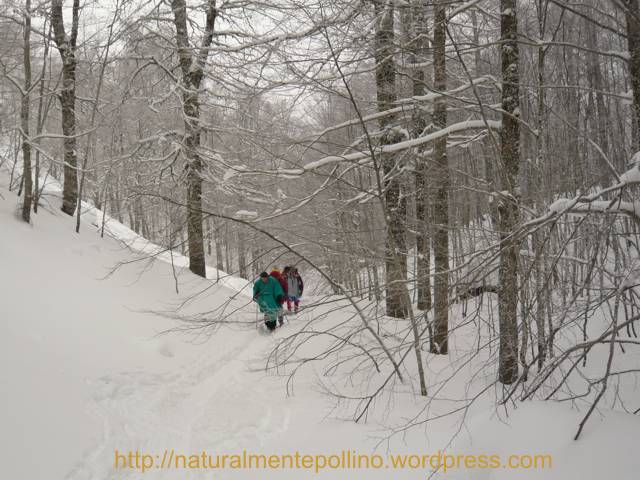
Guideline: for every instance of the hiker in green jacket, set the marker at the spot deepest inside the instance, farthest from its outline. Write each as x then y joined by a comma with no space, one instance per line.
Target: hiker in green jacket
268,293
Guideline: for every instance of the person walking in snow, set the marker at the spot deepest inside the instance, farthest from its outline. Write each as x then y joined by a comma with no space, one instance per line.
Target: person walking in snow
269,295
277,274
295,286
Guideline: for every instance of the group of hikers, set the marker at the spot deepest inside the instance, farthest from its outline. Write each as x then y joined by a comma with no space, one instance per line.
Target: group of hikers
272,290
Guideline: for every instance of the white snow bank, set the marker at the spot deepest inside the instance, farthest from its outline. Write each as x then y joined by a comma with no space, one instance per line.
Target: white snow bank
633,174
607,447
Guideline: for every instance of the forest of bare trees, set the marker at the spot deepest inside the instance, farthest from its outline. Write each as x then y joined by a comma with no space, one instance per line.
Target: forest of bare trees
450,168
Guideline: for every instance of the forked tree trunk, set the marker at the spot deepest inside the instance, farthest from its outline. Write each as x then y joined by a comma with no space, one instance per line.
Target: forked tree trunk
192,63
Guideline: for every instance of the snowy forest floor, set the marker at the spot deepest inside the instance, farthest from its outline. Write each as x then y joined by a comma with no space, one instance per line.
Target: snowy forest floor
85,373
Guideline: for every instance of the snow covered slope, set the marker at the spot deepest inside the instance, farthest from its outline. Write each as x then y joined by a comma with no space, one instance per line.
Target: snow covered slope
65,332
84,373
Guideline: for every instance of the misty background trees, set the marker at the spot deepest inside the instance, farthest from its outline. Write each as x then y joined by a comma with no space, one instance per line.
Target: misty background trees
411,155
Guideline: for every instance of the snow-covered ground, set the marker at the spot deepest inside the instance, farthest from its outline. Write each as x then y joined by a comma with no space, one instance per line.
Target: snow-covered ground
85,373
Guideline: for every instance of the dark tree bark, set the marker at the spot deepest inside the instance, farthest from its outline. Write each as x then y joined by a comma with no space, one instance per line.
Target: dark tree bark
508,206
219,248
537,243
242,253
67,47
418,48
632,14
24,117
394,203
439,343
192,68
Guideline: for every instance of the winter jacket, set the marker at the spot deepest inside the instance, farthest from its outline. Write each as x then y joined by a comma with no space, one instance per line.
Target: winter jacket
294,285
268,295
283,283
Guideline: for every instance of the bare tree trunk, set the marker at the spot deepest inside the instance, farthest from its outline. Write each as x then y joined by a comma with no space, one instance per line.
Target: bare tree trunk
537,243
242,254
67,48
541,300
419,45
42,114
192,63
439,342
217,237
194,186
15,146
394,203
24,116
632,13
508,207
227,250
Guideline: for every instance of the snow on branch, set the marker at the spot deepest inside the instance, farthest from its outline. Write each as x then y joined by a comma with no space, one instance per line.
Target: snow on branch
462,8
593,204
365,157
615,206
409,103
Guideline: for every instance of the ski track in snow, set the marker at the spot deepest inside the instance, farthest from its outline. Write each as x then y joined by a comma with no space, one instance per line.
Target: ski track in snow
184,410
212,403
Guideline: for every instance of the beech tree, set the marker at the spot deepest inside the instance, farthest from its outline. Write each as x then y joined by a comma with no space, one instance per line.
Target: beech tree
418,48
394,201
192,64
25,116
441,197
66,44
632,16
509,196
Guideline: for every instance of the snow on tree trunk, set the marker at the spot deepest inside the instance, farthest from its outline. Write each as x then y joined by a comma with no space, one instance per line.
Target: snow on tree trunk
194,185
192,68
395,203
